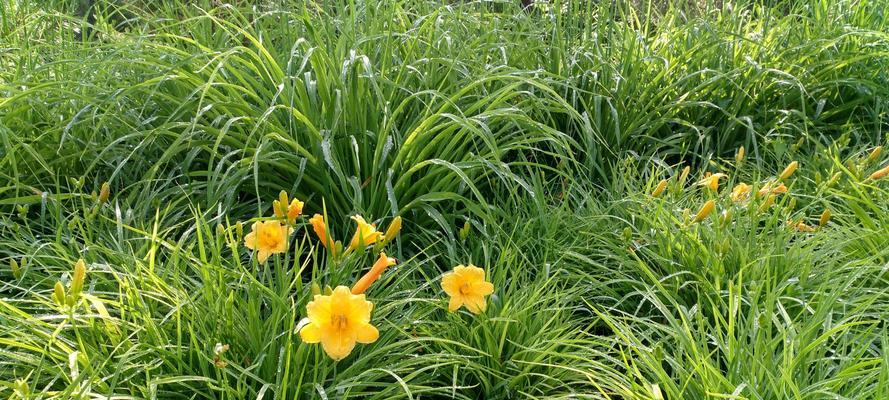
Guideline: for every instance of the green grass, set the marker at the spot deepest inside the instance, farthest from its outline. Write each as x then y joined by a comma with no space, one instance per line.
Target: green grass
525,142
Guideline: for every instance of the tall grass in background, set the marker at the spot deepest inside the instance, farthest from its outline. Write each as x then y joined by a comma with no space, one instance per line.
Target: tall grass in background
394,107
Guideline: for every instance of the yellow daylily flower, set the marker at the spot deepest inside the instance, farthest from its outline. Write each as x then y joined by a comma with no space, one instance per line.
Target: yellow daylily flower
338,321
771,188
267,238
467,287
711,181
800,226
294,210
365,233
739,155
740,192
375,271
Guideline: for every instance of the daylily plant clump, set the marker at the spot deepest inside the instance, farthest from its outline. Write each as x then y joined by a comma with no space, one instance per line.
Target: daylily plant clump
340,318
761,196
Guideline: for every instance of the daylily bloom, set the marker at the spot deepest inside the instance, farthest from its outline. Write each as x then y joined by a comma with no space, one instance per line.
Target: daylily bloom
711,181
741,192
284,207
771,188
338,321
295,209
800,226
659,189
371,276
267,238
788,171
365,233
467,287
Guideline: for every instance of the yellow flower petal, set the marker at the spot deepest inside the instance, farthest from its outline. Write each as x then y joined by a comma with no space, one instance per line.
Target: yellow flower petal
450,284
337,347
484,288
311,333
318,310
367,334
250,240
475,304
455,303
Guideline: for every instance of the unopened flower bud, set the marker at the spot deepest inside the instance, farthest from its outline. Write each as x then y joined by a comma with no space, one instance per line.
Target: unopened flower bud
14,266
874,154
104,193
78,278
789,170
59,293
880,173
705,210
659,189
825,217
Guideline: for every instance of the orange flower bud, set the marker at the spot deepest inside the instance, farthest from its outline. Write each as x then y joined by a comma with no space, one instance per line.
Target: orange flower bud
880,173
375,271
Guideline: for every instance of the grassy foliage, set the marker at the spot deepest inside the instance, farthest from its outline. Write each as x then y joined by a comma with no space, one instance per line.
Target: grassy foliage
526,142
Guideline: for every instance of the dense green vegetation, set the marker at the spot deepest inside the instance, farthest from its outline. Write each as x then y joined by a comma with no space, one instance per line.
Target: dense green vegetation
559,147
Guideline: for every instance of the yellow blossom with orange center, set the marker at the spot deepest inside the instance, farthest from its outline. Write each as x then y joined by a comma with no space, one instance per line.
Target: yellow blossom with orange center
711,181
338,321
740,192
770,187
467,287
267,238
